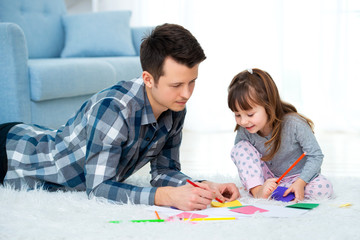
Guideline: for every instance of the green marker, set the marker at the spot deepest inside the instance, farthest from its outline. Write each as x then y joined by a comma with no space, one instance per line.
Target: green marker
137,221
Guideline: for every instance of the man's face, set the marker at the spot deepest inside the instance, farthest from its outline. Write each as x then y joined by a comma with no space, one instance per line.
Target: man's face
173,89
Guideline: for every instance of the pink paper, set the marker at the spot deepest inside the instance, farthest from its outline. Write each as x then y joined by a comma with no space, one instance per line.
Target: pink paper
248,210
190,215
187,215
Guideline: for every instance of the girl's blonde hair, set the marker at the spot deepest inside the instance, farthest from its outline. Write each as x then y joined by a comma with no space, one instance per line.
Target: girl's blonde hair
256,87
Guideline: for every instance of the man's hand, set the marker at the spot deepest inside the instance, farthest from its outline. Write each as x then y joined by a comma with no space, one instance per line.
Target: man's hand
187,197
224,191
298,188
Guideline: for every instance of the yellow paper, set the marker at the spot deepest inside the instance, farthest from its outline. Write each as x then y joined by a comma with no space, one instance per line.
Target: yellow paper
235,203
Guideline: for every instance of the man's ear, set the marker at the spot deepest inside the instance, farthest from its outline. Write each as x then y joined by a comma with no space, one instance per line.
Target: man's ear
148,79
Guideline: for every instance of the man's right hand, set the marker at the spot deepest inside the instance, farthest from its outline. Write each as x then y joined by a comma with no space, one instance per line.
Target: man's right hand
187,197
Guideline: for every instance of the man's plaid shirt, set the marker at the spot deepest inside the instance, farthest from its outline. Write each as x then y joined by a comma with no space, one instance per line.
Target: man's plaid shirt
112,136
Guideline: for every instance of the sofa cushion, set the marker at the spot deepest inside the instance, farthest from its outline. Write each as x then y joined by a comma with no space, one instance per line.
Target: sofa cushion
126,68
41,22
138,34
98,35
62,78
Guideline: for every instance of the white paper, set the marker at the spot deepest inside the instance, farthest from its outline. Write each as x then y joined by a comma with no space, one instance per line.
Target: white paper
212,212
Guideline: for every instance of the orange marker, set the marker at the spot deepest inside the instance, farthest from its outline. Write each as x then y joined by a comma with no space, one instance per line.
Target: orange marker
195,185
291,167
157,215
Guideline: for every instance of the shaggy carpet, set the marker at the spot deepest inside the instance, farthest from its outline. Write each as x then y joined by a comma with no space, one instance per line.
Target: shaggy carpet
46,215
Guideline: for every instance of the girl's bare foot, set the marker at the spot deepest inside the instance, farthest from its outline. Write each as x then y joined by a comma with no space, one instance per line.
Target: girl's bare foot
265,190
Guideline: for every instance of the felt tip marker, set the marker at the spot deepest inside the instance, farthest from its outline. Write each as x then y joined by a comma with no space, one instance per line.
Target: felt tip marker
291,167
157,215
195,185
139,221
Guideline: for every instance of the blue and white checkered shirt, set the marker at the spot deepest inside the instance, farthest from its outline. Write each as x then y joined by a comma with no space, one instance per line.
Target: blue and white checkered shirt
112,136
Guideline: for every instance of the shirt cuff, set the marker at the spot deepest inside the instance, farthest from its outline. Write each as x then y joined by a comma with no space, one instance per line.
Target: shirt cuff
146,196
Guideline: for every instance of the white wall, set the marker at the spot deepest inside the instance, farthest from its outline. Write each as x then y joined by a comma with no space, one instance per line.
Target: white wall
310,47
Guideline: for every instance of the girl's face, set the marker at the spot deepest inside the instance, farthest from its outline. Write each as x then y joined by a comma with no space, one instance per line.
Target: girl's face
254,120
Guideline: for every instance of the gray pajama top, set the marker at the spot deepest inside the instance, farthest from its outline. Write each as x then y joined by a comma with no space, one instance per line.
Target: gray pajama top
296,138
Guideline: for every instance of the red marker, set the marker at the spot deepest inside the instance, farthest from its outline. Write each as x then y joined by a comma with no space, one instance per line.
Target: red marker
195,185
291,167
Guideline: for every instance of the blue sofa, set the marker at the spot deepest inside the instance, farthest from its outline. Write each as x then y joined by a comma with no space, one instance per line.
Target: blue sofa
51,61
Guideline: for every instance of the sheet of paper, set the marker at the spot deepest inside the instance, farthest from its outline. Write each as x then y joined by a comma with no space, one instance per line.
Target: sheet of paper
210,212
273,211
219,212
280,211
304,205
190,215
248,210
165,210
235,203
279,192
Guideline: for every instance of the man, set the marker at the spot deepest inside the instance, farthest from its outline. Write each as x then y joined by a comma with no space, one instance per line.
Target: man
119,130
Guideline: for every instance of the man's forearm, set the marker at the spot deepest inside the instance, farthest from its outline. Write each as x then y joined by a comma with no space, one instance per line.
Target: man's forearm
163,196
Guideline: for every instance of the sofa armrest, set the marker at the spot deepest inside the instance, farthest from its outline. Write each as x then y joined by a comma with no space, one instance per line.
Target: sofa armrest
138,33
14,80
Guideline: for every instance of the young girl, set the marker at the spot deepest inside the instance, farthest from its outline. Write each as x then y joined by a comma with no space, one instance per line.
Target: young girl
271,136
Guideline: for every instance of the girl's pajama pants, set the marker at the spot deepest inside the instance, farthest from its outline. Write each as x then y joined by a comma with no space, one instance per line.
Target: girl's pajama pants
254,172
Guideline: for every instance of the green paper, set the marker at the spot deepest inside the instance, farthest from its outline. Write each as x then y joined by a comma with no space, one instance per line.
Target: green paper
304,205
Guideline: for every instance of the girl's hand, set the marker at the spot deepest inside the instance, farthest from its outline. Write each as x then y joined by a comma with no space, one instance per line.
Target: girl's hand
298,188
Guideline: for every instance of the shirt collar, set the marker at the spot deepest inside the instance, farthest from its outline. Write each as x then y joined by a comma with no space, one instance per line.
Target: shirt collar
149,118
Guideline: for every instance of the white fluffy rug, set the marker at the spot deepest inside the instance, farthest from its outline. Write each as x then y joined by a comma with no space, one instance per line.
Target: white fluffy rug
70,215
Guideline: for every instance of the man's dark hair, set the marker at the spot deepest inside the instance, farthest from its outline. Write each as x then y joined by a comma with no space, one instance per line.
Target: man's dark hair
169,40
